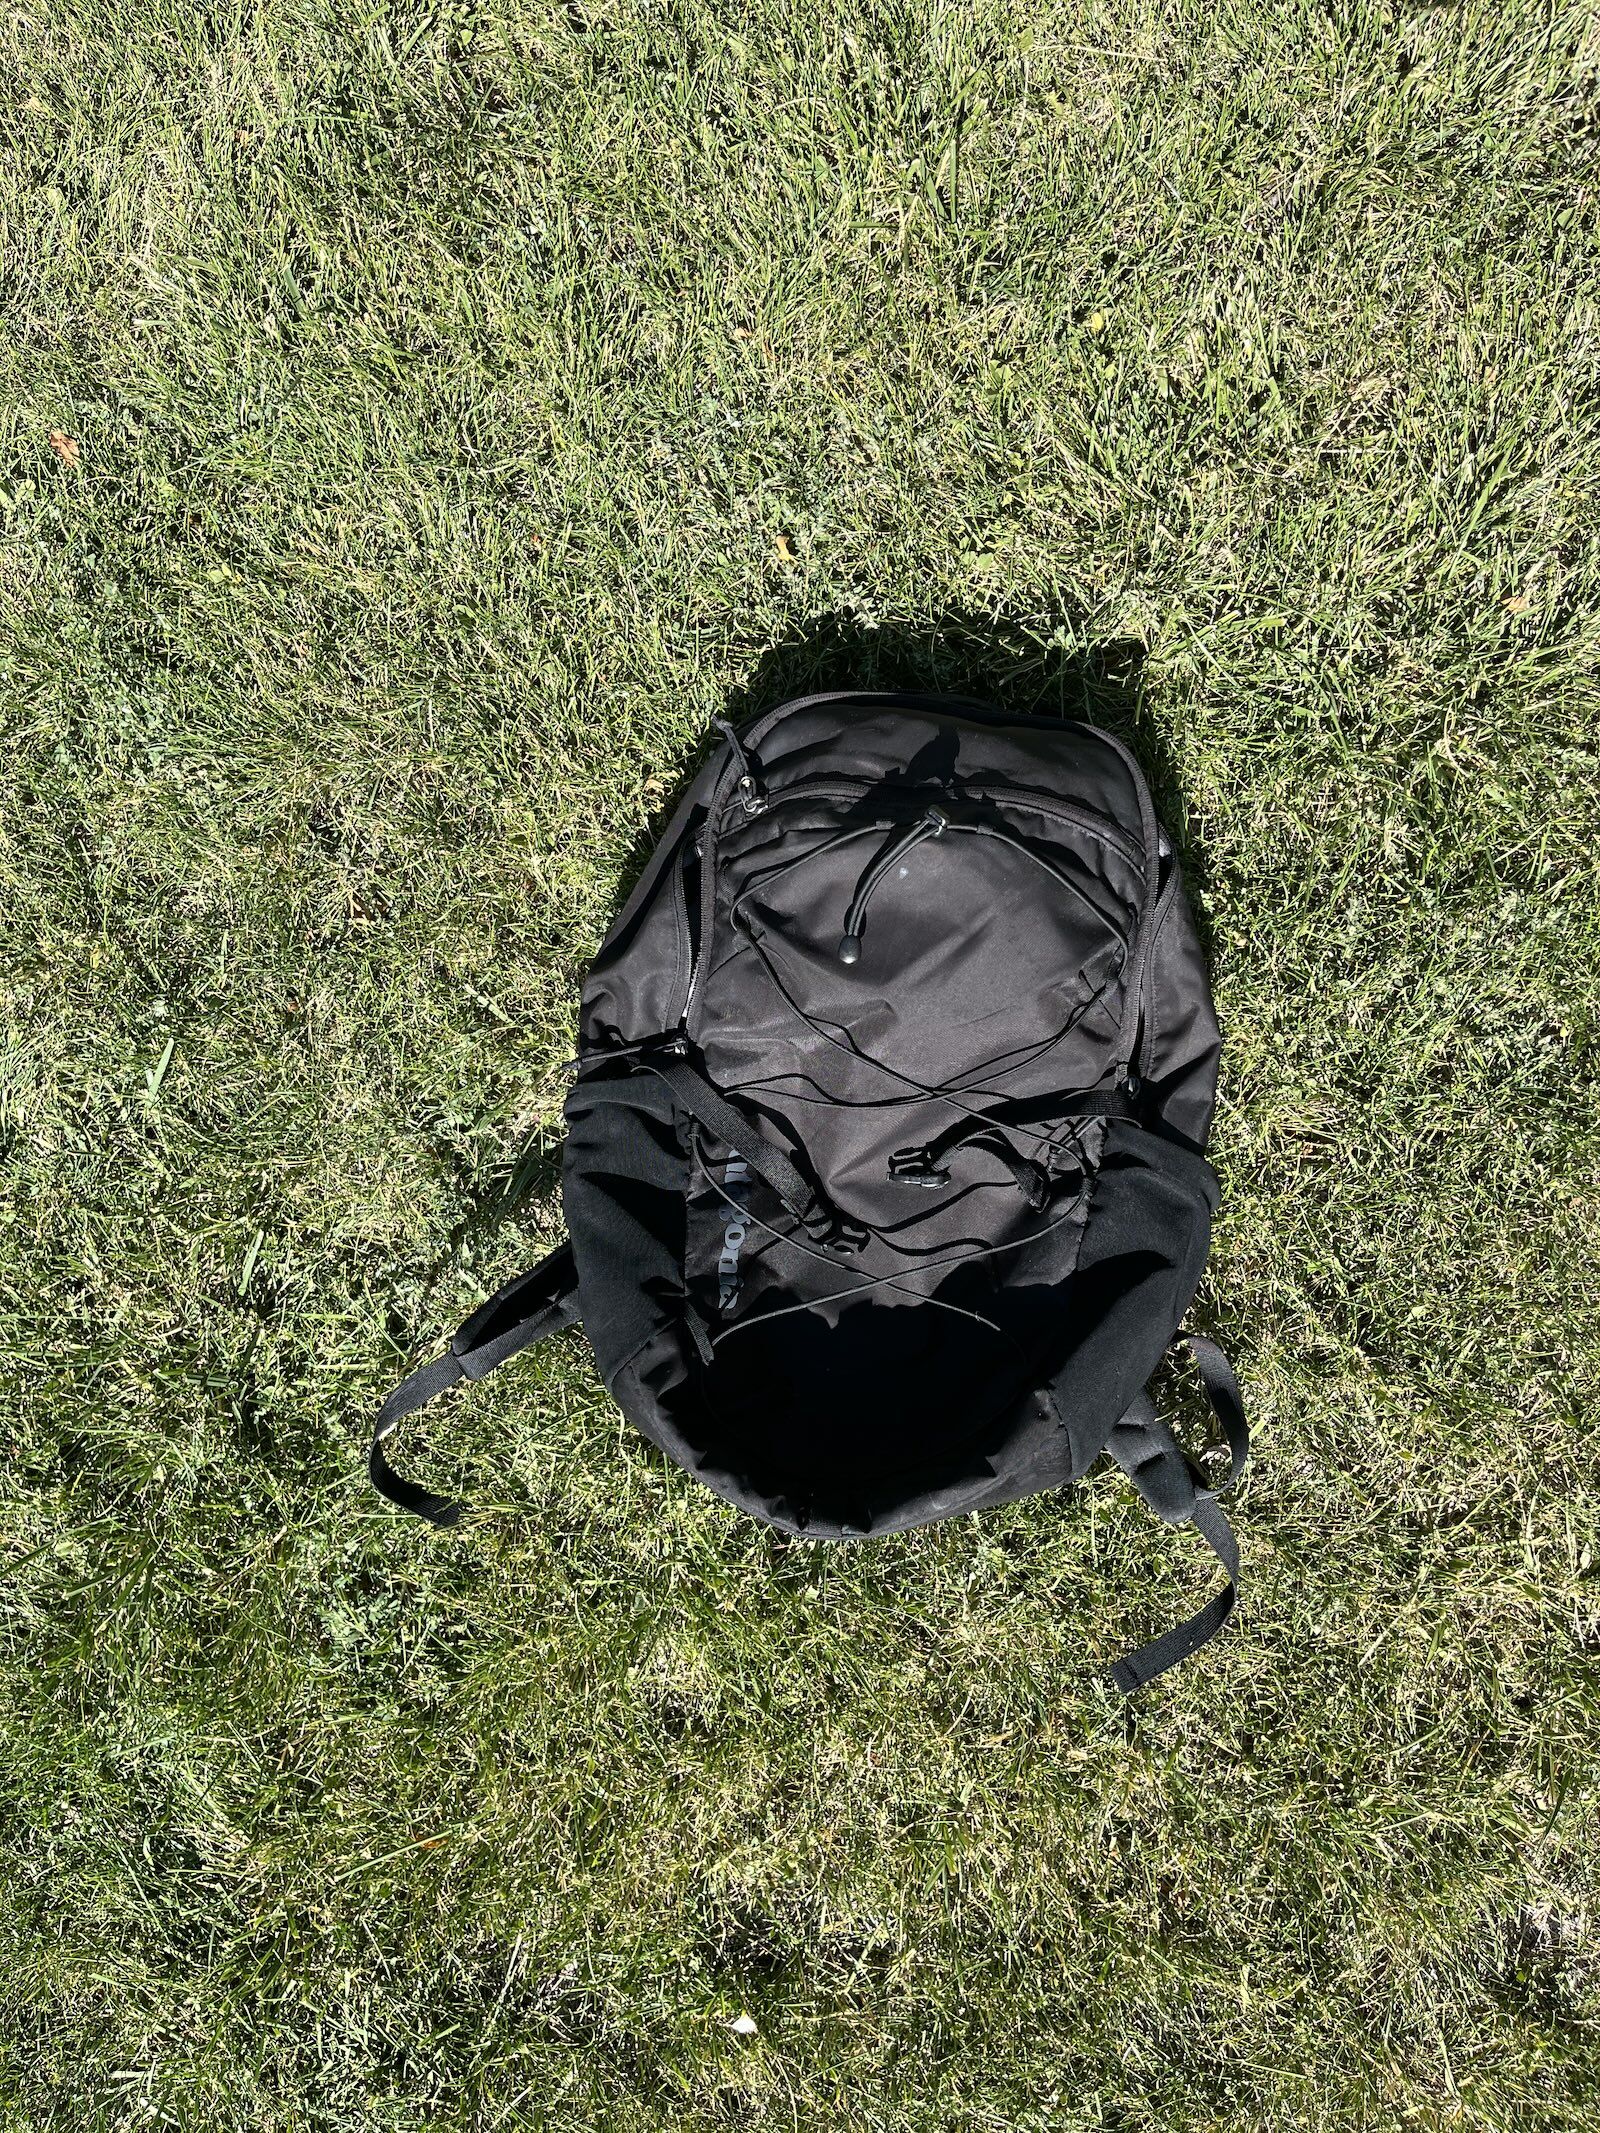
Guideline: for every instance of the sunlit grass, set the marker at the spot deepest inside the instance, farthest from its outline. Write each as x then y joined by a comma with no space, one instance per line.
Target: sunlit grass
456,407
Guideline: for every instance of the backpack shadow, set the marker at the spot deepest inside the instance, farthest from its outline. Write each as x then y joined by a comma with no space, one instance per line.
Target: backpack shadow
525,1175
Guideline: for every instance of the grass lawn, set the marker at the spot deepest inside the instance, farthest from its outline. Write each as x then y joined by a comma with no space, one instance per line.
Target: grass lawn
416,422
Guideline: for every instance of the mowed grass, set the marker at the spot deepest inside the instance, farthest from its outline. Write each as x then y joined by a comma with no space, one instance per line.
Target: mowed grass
454,408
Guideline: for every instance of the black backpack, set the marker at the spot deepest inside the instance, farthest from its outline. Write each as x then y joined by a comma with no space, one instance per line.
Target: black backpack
884,1174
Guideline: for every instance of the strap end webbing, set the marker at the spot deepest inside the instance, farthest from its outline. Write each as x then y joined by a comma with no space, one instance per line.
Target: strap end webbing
413,1392
1136,1668
409,1495
516,1316
1126,1676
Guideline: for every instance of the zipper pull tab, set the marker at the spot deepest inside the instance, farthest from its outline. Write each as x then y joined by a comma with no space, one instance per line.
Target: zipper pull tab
751,798
932,824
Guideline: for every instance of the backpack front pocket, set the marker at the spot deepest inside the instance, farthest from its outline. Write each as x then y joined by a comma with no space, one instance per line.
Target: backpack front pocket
945,941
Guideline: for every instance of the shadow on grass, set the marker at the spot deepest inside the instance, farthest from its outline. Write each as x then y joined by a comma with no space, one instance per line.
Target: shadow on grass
531,1175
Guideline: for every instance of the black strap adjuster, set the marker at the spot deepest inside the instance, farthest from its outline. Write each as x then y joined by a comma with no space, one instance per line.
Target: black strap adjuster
916,1166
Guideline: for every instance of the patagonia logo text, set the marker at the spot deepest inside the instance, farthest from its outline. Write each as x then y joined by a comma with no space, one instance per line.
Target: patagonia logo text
736,1227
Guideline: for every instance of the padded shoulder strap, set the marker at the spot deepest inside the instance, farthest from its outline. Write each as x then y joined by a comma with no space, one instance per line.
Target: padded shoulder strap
1149,1454
537,1303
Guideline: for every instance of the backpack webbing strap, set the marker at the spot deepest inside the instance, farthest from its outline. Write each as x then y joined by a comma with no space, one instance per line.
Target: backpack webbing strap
528,1308
725,1122
1146,1450
1227,1402
1135,1668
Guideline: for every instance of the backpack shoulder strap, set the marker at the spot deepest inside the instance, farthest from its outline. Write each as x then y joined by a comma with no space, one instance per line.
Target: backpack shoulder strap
1149,1454
528,1308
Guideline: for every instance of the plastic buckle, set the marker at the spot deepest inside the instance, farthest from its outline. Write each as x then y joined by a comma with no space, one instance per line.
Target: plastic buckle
915,1166
1035,1182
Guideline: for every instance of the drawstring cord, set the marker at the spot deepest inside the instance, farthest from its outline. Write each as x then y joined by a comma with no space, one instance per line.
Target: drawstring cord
1034,1179
933,824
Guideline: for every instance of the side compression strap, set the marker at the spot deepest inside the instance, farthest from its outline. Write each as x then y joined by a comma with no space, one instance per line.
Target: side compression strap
1149,1455
539,1302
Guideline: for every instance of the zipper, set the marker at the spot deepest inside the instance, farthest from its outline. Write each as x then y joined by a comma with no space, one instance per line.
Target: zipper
1089,819
751,797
